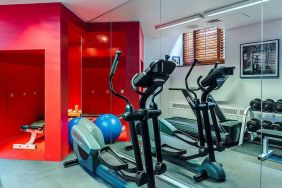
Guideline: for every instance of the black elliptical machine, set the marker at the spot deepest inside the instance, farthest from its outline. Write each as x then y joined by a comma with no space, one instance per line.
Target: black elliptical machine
150,79
97,158
229,129
204,109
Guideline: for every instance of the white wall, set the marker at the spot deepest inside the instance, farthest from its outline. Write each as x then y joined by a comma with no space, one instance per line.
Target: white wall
156,48
236,92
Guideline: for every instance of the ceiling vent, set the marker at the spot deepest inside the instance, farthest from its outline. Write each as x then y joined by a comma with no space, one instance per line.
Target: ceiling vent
192,26
214,21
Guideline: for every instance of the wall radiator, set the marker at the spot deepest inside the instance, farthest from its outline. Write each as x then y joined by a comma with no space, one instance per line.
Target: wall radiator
226,111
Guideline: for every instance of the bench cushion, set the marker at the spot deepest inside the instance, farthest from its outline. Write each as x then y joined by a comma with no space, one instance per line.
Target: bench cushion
36,125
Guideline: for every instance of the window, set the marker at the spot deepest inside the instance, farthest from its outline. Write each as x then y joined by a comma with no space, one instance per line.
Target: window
205,45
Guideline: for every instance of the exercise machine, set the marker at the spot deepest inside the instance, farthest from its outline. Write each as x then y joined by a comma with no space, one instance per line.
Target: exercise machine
35,129
229,129
100,159
172,138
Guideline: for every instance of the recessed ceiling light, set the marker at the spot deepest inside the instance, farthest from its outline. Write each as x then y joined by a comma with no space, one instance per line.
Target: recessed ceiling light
102,38
179,22
234,6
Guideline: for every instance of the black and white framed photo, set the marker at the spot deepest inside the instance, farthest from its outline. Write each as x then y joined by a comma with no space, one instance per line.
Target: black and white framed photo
176,59
260,59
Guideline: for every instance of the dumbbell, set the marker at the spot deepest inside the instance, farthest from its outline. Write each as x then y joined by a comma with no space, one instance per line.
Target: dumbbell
253,125
278,106
276,126
255,104
266,124
268,105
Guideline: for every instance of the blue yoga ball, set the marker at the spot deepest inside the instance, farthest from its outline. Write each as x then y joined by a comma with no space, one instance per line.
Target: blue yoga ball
110,126
72,123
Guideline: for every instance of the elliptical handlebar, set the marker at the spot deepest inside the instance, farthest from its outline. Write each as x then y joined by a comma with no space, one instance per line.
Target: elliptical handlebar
131,116
134,87
199,83
115,63
187,76
112,73
156,93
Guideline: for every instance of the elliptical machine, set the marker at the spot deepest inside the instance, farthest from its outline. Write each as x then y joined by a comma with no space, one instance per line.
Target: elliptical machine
97,158
172,138
229,129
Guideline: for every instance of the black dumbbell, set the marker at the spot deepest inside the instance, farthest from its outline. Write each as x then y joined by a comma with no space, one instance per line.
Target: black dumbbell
253,125
255,104
265,124
268,105
278,106
276,126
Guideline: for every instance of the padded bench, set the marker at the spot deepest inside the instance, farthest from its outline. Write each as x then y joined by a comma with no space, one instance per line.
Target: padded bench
34,129
267,135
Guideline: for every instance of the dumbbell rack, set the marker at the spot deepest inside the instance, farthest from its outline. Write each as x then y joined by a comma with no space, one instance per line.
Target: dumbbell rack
266,135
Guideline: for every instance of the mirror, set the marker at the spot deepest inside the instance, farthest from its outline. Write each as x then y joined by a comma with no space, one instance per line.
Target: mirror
270,135
212,31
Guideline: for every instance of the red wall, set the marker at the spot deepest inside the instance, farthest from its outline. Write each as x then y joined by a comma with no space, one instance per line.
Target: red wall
37,26
71,26
53,28
133,55
97,59
44,26
125,36
74,66
22,90
98,55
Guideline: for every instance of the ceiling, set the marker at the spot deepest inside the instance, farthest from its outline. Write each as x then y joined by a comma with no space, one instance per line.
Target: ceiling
85,9
154,12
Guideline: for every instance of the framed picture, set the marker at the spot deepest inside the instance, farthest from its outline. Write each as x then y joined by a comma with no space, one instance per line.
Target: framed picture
260,59
176,59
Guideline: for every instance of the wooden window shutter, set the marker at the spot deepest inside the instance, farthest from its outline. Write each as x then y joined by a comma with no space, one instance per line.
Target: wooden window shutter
222,46
188,48
206,45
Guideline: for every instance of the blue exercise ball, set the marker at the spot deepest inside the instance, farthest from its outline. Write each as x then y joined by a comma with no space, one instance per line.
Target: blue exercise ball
110,126
72,123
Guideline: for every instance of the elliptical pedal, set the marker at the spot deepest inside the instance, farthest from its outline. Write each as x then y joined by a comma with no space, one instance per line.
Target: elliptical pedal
172,151
131,166
186,138
111,160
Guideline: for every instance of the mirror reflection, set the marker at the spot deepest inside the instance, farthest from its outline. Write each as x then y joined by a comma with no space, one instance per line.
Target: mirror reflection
132,93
